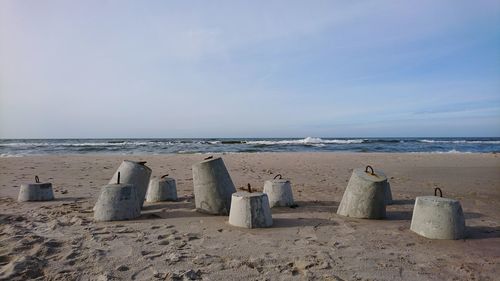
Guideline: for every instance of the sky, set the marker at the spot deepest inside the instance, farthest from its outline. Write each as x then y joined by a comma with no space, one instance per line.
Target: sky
98,69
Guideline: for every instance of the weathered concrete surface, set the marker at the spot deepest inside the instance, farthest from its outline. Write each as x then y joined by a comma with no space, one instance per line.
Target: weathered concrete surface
213,187
117,202
365,195
438,218
388,194
135,173
162,189
279,192
250,210
36,192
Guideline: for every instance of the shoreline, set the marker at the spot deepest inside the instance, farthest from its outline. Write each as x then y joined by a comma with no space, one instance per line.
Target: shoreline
246,152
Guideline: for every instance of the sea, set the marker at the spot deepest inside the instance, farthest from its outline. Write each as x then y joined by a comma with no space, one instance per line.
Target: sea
126,146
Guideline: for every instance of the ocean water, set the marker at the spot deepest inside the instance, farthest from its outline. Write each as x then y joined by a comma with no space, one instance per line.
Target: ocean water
22,147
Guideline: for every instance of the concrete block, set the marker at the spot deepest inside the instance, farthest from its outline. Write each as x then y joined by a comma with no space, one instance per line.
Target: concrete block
162,189
438,218
279,192
213,186
118,201
250,210
36,191
365,195
388,194
135,173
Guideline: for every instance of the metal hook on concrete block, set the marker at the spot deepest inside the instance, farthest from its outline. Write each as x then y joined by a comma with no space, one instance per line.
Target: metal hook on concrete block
440,192
371,168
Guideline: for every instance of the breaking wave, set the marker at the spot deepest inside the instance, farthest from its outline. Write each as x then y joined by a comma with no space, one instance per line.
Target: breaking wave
306,141
462,141
22,147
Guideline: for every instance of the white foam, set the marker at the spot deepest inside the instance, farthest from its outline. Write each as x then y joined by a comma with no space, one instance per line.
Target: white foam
8,155
68,144
353,141
25,144
460,141
453,151
306,141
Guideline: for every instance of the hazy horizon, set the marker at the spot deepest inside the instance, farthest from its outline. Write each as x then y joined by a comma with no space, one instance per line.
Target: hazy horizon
281,69
277,138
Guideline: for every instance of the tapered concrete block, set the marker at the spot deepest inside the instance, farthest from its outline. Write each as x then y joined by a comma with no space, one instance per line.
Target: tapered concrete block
36,191
438,218
279,192
213,187
117,202
388,194
365,195
250,210
136,174
162,189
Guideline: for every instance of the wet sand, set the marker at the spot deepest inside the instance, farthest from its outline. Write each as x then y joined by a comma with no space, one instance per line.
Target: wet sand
58,240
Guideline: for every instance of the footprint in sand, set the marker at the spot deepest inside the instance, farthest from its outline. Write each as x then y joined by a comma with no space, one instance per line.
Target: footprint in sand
122,268
5,259
47,248
23,268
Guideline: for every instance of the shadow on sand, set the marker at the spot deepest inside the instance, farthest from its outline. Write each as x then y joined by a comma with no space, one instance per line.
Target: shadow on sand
482,232
297,222
403,202
169,210
66,199
169,205
399,215
472,215
172,214
309,206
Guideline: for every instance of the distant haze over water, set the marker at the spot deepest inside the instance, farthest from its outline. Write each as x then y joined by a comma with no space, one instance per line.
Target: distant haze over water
22,147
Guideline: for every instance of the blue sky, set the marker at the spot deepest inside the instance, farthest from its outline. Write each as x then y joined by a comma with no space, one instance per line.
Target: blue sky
249,69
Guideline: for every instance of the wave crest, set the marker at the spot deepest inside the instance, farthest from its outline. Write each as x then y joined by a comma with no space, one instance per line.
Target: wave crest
461,141
306,141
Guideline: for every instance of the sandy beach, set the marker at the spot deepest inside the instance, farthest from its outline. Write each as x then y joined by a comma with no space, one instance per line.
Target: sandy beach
58,240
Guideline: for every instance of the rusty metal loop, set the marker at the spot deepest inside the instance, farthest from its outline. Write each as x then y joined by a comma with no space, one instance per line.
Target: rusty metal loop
371,168
249,188
118,178
164,176
142,163
440,192
278,175
37,180
209,157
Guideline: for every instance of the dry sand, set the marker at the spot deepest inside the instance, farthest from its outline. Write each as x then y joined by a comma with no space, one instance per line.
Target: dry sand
59,241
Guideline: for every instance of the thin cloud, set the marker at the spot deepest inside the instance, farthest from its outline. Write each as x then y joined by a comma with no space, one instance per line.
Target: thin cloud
168,69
